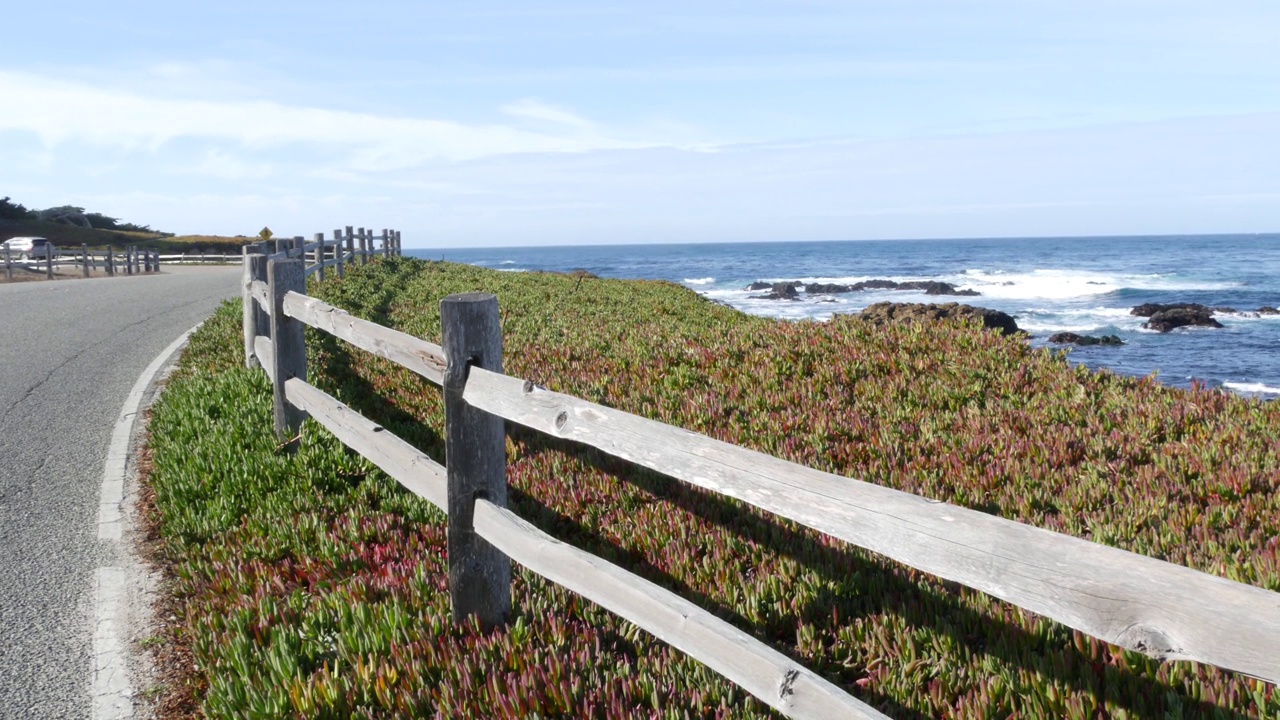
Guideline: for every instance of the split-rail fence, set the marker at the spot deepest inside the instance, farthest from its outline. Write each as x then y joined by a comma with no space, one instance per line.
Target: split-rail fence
1163,610
341,249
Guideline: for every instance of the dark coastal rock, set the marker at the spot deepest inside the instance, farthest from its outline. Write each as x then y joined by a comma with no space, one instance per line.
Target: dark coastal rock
781,291
930,287
1149,309
826,288
875,285
1166,320
934,287
1070,338
772,286
886,312
1268,310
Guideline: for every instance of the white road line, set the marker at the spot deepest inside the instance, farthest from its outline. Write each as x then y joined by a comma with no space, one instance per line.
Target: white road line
112,693
112,696
110,516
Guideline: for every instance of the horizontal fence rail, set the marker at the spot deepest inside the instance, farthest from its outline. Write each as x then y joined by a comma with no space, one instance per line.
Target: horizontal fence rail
1166,611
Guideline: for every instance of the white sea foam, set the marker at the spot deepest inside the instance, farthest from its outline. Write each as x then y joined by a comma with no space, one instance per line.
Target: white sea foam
1252,388
507,262
1066,284
1077,320
699,281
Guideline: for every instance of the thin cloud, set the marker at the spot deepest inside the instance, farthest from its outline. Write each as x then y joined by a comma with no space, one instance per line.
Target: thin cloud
62,112
537,110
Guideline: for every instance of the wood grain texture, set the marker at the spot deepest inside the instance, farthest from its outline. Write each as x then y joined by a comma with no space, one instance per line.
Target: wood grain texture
422,357
320,255
417,472
476,458
248,324
266,355
767,674
260,293
285,276
339,253
1163,610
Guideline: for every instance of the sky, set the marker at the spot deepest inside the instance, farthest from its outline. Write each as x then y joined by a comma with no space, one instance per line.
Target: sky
551,123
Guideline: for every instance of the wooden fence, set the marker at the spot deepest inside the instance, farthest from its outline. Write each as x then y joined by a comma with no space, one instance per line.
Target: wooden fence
1157,608
336,252
128,261
360,243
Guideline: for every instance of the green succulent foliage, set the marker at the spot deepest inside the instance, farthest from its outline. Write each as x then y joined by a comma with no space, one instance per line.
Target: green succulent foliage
312,585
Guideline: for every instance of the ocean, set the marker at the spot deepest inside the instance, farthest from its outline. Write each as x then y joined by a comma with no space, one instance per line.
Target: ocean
1083,285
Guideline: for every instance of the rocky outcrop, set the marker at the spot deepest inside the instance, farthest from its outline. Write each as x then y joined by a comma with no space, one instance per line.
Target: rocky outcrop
1166,320
933,287
781,291
1268,310
826,288
1070,338
886,312
930,287
1166,317
876,285
1149,309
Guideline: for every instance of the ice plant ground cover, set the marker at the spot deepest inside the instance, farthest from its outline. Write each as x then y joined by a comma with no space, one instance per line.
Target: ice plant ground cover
311,584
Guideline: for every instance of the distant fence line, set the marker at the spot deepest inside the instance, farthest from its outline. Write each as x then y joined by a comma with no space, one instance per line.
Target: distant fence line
342,248
1160,609
128,261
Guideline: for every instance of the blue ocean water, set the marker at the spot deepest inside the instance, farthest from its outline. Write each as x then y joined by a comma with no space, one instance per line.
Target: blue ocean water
1082,285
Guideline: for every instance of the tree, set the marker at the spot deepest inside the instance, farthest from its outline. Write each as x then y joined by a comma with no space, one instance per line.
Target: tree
14,211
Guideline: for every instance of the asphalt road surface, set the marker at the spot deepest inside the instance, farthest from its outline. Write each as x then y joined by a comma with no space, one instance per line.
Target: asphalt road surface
70,351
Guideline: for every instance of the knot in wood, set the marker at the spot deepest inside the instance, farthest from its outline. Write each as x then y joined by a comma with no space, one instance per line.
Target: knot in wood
788,683
528,386
1149,641
561,419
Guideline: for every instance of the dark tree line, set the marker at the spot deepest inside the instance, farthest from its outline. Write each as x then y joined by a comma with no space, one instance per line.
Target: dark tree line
66,214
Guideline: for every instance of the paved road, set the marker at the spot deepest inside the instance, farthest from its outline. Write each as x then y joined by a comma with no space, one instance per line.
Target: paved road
69,353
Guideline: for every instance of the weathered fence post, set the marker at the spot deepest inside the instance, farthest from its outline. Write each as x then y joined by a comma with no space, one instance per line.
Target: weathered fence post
286,275
8,264
319,237
364,247
48,261
476,460
255,268
399,247
383,239
84,258
351,243
339,252
109,263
